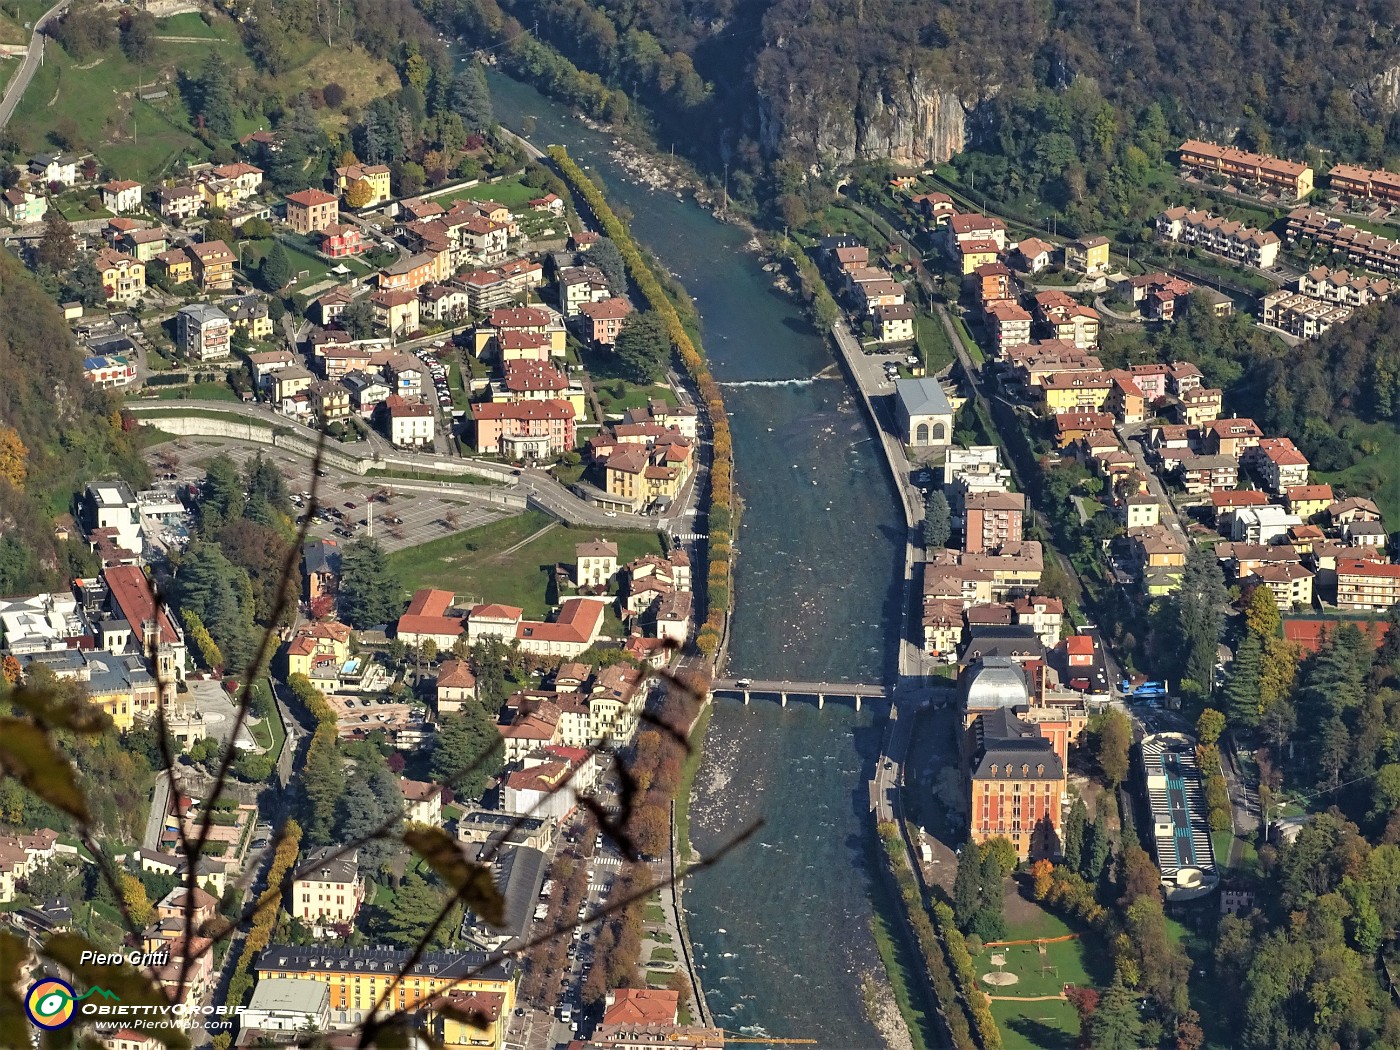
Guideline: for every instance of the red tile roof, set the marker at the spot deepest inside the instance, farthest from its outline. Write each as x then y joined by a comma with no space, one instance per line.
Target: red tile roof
132,593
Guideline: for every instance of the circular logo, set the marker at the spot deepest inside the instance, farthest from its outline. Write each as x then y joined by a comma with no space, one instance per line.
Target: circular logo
49,1003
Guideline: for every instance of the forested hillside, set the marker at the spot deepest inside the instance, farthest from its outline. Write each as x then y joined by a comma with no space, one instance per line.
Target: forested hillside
820,81
56,433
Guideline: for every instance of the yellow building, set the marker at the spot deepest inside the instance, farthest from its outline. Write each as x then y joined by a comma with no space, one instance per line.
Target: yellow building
642,476
375,175
314,641
1088,255
1077,391
469,1019
976,253
358,977
218,193
123,276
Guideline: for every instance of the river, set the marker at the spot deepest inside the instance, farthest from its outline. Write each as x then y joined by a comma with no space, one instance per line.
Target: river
782,926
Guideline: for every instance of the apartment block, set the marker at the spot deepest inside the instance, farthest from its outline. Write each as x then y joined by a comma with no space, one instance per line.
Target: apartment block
1290,179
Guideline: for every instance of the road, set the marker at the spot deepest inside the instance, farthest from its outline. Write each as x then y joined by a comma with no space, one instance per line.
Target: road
33,59
1132,438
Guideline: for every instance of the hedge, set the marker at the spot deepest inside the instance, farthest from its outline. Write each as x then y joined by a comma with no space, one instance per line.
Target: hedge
978,1005
264,914
722,469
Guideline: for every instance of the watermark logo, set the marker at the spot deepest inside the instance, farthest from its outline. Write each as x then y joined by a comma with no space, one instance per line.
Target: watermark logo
50,1003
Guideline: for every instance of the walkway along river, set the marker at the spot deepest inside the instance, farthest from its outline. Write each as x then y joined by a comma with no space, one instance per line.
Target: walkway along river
781,928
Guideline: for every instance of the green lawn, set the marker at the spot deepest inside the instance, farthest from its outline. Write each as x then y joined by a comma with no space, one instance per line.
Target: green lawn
1049,1025
191,24
474,565
1377,475
663,955
970,344
617,395
934,346
654,913
198,392
510,191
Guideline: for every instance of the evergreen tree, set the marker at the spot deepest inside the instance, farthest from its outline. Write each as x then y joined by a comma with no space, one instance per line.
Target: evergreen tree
1242,683
1115,1023
1198,607
216,96
937,525
470,98
220,594
323,782
369,590
220,495
358,318
644,347
468,752
411,912
276,270
988,922
605,255
58,247
967,886
264,480
1097,849
1075,829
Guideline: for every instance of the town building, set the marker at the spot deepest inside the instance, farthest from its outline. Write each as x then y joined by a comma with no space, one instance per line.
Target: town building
287,1004
1352,180
411,423
428,618
1366,586
524,429
1341,288
312,210
121,196
21,207
123,276
1181,834
1225,237
1290,180
203,332
213,264
991,520
456,686
1088,255
374,176
924,413
602,321
595,563
1300,315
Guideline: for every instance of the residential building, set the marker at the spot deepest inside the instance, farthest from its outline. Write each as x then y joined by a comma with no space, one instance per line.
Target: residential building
250,313
1066,319
446,304
1300,315
422,802
427,618
991,520
456,685
572,631
1225,237
244,180
123,276
975,253
203,332
317,642
1342,289
411,423
177,264
1232,436
971,227
1202,474
1045,616
312,210
367,392
1290,583
213,264
1290,180
1034,255
361,979
1352,180
894,324
61,168
1279,464
924,413
410,273
538,381
524,429
146,245
1361,247
595,563
340,240
396,311
1141,512
329,401
1088,255
121,196
1077,391
1009,325
1267,524
375,177
578,285
1366,586
20,207
320,562
1309,502
109,372
1352,509
179,203
1016,781
1201,405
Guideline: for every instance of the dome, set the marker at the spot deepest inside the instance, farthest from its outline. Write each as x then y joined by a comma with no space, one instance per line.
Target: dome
996,682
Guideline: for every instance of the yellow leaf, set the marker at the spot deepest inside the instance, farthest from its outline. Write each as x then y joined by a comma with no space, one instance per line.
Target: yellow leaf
13,1030
472,883
27,753
46,709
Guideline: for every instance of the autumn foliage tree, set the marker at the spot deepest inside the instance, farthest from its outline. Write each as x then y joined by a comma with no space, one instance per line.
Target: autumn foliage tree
359,193
13,455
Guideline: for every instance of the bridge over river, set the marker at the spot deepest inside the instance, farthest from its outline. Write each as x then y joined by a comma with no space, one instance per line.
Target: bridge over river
822,691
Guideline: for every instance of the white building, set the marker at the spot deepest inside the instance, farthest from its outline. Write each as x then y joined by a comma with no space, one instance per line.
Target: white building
112,505
121,196
41,623
288,1004
331,890
1265,524
411,423
204,332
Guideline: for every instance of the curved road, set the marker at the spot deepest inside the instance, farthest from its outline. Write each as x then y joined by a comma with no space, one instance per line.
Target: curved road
32,60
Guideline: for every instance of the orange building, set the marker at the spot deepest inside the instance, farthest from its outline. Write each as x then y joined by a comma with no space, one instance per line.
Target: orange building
312,210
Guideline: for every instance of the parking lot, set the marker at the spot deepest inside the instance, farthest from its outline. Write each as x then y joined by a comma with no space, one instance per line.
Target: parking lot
404,516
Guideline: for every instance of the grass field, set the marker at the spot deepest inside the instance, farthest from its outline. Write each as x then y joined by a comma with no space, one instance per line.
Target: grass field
511,192
618,395
934,346
1377,475
474,564
1050,1023
198,392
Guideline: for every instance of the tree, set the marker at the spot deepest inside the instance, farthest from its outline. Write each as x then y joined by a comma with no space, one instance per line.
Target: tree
221,595
644,347
470,98
276,270
1112,736
1198,606
1097,849
359,193
1115,1024
58,247
1002,855
1261,614
1210,725
221,495
967,886
1076,826
410,912
605,255
937,525
134,897
468,751
1242,683
84,283
139,36
13,457
334,95
358,319
216,95
369,590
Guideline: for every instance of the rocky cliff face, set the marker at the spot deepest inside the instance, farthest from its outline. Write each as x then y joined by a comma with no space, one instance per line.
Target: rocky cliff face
1380,95
903,116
